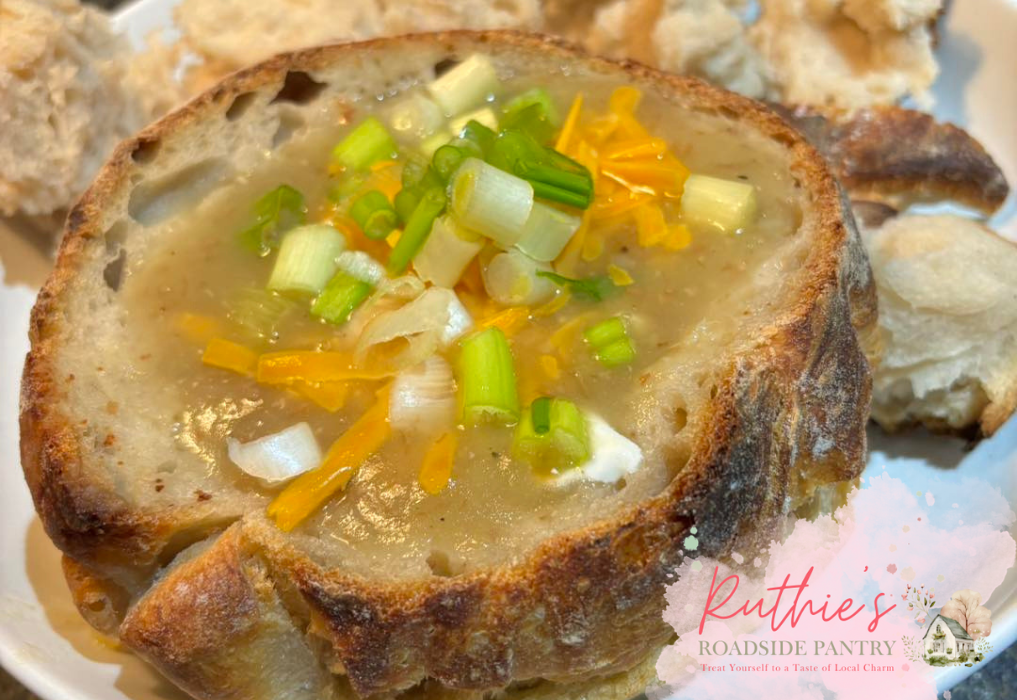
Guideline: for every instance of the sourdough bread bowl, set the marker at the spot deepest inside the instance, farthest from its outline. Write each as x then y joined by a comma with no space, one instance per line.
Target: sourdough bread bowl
747,407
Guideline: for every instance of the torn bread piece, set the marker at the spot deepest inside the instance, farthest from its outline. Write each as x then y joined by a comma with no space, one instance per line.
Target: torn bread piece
839,53
901,157
948,319
66,102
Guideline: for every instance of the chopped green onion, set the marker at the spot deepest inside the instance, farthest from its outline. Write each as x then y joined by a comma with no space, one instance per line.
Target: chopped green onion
374,215
512,279
432,143
349,185
415,117
479,134
340,298
466,85
405,201
491,201
258,312
606,332
414,171
610,342
484,116
566,442
725,204
365,145
431,205
547,232
487,379
535,97
552,175
358,264
447,160
532,121
275,213
446,253
306,259
592,288
620,352
541,415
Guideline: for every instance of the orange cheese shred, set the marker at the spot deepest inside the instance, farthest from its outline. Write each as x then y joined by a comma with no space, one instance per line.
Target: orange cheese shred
436,469
510,321
312,489
313,367
226,354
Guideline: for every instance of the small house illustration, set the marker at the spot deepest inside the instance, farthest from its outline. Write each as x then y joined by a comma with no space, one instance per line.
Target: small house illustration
947,639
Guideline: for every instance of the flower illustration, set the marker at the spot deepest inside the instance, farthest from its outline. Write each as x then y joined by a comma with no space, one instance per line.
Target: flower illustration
966,608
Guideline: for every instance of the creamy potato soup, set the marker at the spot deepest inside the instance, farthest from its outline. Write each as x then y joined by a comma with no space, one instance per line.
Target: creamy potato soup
420,335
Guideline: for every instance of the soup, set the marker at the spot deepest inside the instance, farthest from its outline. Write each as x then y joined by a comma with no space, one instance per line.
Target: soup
425,336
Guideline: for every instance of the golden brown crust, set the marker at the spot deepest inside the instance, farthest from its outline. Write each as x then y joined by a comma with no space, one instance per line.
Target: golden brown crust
900,156
585,604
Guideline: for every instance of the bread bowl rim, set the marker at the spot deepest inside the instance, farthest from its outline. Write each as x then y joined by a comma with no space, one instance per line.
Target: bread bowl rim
94,527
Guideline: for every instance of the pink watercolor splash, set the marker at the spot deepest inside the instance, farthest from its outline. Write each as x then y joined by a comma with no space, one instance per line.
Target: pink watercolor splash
856,554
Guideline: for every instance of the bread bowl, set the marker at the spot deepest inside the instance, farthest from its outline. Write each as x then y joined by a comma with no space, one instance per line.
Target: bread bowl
753,409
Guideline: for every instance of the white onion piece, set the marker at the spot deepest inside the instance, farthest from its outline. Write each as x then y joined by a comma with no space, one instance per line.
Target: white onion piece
510,278
547,232
446,253
277,457
361,266
434,318
415,118
466,85
423,398
491,201
459,321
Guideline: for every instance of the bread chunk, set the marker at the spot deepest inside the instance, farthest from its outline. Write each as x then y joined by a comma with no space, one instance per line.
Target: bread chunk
843,54
948,317
66,102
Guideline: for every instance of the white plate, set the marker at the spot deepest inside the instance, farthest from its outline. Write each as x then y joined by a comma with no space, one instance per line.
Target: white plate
49,648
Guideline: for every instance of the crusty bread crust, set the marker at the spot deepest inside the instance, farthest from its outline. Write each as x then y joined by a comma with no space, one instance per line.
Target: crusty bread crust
901,156
786,419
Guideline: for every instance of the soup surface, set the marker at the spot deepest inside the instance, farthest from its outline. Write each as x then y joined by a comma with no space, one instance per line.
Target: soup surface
451,488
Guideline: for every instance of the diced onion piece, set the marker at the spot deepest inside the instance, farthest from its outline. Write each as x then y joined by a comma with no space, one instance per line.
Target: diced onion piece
446,253
368,143
459,321
487,379
725,204
360,265
423,398
484,115
306,259
465,86
547,232
511,279
613,454
491,201
432,320
435,141
277,457
415,118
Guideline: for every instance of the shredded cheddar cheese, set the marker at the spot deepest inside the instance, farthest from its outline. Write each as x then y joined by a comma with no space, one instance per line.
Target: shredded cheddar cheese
226,354
436,470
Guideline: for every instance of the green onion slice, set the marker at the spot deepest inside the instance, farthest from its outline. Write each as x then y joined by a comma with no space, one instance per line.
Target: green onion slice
564,444
306,259
340,298
541,410
547,232
487,379
275,213
491,201
595,288
535,97
418,226
374,215
258,312
610,342
365,145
